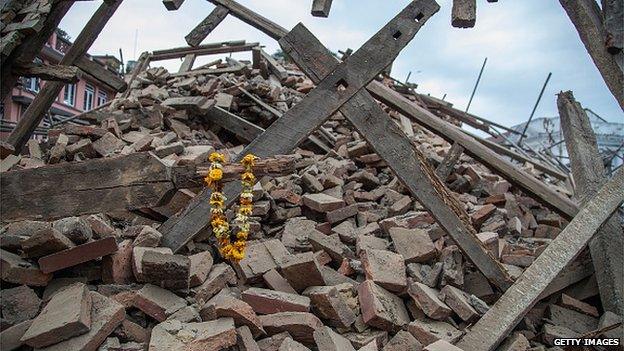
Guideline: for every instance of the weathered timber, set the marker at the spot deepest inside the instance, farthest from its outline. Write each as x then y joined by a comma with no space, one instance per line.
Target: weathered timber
132,182
42,102
589,174
498,322
464,13
187,64
235,124
445,167
209,71
65,74
173,5
587,18
31,47
474,148
613,13
141,64
404,158
201,50
278,70
246,15
320,103
205,27
320,8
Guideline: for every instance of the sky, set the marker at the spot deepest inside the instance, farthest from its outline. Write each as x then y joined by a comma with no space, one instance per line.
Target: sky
523,41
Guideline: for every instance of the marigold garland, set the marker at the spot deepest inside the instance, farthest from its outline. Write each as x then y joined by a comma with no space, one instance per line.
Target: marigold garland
220,227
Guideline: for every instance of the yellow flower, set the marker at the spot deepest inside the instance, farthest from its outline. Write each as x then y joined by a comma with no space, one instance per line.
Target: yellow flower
242,235
245,210
248,177
237,255
215,174
249,160
216,157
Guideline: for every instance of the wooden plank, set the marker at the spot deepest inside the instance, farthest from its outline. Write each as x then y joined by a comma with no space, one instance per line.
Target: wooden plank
173,5
237,125
141,64
135,181
205,27
246,15
320,8
500,320
42,102
202,51
187,64
65,74
475,149
209,71
587,18
464,13
31,47
401,155
302,119
445,167
101,74
613,13
275,67
589,174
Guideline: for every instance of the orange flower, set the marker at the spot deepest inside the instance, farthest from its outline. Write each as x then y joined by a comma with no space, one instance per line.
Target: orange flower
216,157
249,160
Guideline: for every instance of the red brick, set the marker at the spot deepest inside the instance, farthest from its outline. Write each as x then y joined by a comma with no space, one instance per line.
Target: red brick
482,214
442,345
68,314
403,341
210,336
328,340
45,242
427,299
414,245
157,302
385,268
579,306
341,214
201,264
458,302
137,258
330,305
380,308
322,202
330,244
244,340
19,304
225,305
429,331
302,271
10,337
267,301
19,271
300,325
276,282
117,267
76,255
166,270
220,276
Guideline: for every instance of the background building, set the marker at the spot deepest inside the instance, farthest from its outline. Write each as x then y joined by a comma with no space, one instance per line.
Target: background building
75,98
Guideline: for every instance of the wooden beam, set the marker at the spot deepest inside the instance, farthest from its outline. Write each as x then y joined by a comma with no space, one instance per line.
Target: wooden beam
587,18
464,13
589,174
302,119
237,125
275,67
140,66
320,8
65,74
475,149
445,167
205,27
173,5
500,320
31,47
613,13
401,155
246,15
136,181
42,102
187,64
201,50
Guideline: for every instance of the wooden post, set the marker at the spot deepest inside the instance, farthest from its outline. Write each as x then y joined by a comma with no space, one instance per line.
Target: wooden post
320,8
500,320
306,116
589,173
187,64
464,13
42,102
205,27
587,18
613,13
173,5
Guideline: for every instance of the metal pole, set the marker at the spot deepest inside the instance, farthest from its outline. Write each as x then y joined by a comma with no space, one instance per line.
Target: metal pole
474,90
534,108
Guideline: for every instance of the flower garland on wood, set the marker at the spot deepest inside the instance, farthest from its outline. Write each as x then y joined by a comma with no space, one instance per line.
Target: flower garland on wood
220,227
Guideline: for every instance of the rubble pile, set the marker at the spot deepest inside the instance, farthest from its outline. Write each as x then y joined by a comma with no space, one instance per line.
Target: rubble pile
340,257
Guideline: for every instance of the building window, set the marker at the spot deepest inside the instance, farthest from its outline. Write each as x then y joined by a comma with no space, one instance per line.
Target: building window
88,97
32,84
69,96
102,98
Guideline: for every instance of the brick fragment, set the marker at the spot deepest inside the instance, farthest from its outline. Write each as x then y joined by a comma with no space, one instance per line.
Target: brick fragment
490,241
459,303
108,145
166,270
117,267
10,337
267,301
516,342
148,237
300,325
296,232
68,314
330,305
45,242
367,338
100,226
328,340
19,271
579,306
341,214
385,268
575,321
137,258
482,214
429,331
322,202
276,282
244,340
209,336
442,345
330,244
76,229
414,245
219,277
427,299
226,305
201,264
346,231
157,302
289,344
302,271
273,342
366,242
403,341
78,254
380,308
260,258
129,330
19,304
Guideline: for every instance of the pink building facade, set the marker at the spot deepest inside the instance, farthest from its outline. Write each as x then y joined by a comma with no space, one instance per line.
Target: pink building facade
73,99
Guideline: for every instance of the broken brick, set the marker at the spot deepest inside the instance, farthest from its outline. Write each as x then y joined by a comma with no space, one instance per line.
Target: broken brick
267,301
380,308
385,268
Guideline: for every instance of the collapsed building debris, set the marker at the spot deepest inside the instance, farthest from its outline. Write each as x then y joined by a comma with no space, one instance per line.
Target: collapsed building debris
378,224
